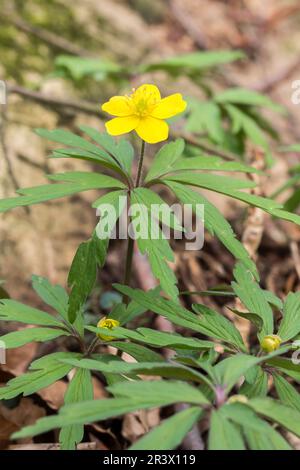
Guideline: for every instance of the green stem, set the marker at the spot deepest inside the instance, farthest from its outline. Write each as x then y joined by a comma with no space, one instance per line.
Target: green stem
130,245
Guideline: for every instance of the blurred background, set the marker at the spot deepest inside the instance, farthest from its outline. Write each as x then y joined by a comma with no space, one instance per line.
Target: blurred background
62,58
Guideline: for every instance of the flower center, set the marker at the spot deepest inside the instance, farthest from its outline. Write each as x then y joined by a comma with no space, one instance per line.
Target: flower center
143,102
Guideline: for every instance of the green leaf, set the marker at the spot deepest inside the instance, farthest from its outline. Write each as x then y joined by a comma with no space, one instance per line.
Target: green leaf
138,352
290,323
80,389
195,61
243,121
10,310
253,298
170,433
259,434
287,393
156,247
147,368
206,117
220,184
210,163
28,335
82,277
214,222
85,178
80,67
143,395
258,388
76,182
171,310
165,158
218,326
53,295
224,435
43,372
285,365
244,96
121,151
287,417
153,201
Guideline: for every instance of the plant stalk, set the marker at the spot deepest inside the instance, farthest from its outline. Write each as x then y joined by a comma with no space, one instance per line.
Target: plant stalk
130,245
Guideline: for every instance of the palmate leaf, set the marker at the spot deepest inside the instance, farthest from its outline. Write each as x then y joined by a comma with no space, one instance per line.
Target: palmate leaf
253,298
210,163
138,352
80,389
257,388
138,395
157,249
170,433
215,223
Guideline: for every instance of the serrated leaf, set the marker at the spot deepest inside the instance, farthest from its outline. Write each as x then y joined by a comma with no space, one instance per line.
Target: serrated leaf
165,158
10,310
290,323
43,372
53,295
224,435
287,417
253,298
286,392
218,326
82,277
215,223
206,117
80,389
121,151
142,397
169,434
20,337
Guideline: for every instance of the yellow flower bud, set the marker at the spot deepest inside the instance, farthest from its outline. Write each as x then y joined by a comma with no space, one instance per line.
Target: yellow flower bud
108,324
270,343
238,399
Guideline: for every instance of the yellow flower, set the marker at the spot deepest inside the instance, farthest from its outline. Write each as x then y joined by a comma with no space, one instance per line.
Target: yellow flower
270,343
143,111
108,324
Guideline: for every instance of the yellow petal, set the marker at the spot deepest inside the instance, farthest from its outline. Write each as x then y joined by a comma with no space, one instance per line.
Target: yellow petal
118,106
152,130
168,107
121,125
148,89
